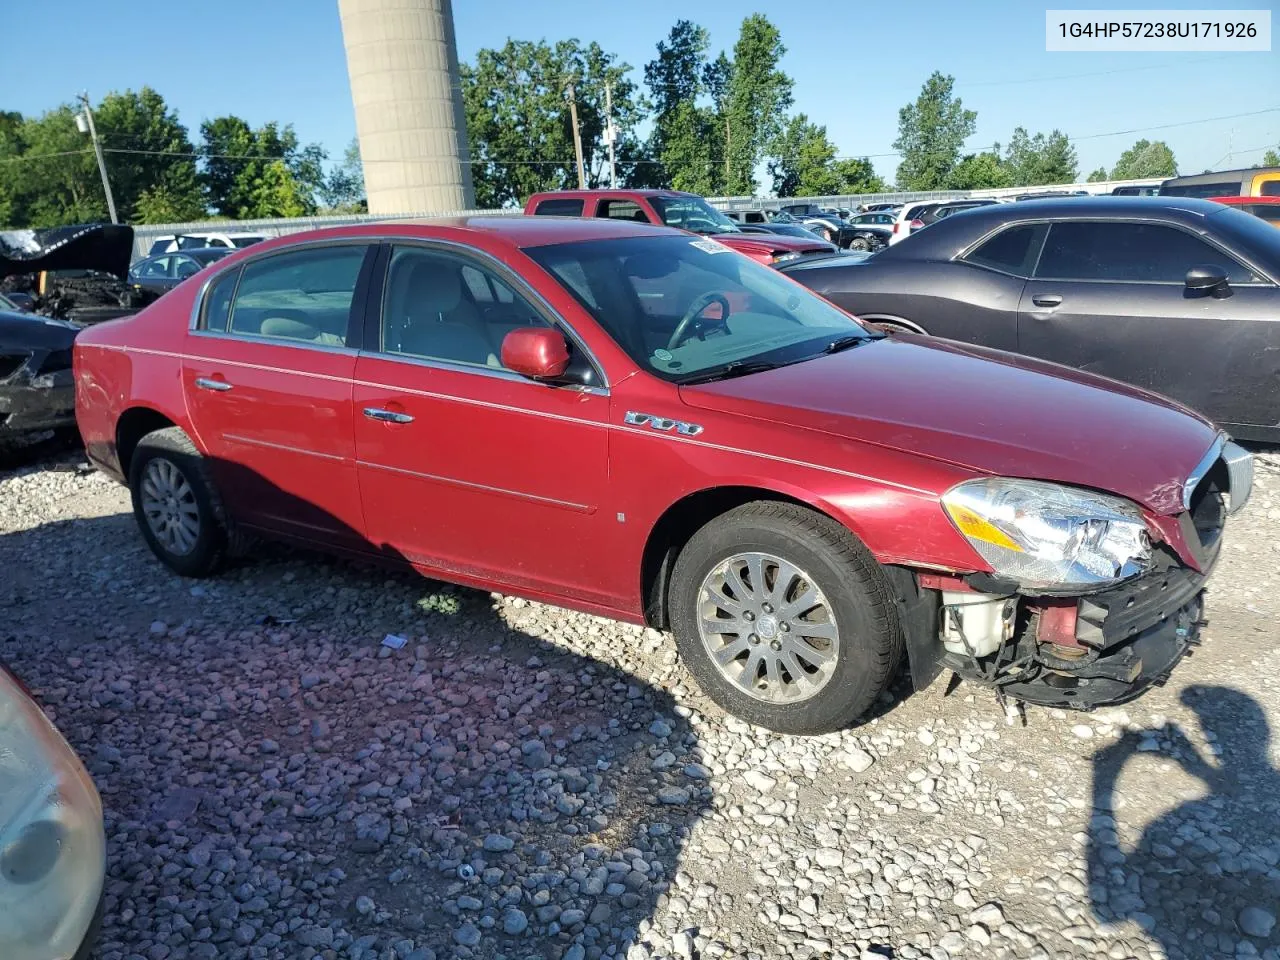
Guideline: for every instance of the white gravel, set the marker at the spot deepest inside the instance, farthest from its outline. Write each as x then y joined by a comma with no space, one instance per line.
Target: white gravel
522,781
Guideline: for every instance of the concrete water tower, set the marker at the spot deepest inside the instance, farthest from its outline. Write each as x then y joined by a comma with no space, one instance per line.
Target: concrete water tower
402,60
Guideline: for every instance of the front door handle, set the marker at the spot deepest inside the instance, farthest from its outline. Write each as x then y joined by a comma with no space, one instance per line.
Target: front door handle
205,383
387,416
1046,300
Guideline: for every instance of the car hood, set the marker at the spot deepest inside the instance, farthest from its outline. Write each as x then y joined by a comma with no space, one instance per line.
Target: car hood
30,331
773,243
984,410
101,246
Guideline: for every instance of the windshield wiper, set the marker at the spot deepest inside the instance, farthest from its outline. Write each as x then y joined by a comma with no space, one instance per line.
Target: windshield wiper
737,368
844,343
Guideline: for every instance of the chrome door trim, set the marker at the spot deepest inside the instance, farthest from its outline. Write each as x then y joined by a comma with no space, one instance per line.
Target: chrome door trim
218,386
497,373
284,447
481,487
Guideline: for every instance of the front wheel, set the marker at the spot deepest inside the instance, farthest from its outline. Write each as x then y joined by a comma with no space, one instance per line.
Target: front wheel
176,505
784,618
859,243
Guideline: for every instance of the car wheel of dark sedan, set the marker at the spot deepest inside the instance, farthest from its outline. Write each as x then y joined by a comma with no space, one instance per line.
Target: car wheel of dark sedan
176,505
784,618
859,243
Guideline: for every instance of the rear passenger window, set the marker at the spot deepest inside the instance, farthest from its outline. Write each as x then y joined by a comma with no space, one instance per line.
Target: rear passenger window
1270,188
621,210
1009,251
300,296
558,208
217,302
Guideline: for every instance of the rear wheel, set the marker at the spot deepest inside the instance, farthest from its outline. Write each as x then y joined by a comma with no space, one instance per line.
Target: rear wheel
176,505
784,618
859,243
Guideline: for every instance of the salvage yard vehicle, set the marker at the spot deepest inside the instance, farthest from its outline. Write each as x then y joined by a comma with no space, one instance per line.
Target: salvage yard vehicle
1251,182
1179,296
74,273
633,422
688,211
52,840
197,241
1264,208
164,272
36,390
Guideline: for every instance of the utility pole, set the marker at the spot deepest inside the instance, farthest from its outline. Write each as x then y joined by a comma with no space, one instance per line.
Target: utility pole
610,134
577,135
84,123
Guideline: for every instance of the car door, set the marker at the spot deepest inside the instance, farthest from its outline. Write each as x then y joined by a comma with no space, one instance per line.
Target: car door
465,466
267,376
1110,297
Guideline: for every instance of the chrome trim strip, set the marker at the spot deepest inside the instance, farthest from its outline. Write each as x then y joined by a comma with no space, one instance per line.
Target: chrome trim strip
470,401
777,459
1198,472
497,373
485,488
273,341
252,442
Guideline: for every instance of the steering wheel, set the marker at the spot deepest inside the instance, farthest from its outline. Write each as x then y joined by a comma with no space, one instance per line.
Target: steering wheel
690,318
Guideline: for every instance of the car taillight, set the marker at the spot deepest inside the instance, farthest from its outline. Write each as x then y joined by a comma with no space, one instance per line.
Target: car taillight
896,225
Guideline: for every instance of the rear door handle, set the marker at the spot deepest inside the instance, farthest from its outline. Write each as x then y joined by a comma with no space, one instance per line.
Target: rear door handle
387,416
1046,300
205,383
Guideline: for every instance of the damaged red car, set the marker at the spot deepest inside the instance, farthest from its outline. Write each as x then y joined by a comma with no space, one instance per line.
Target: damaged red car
637,423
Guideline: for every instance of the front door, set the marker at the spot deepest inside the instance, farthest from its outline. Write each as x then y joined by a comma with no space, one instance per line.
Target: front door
465,466
1111,298
267,378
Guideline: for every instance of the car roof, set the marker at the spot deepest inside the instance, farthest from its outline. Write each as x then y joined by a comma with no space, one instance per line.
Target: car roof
513,231
1215,176
609,192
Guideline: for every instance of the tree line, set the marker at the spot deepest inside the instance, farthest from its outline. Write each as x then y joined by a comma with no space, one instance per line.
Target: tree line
710,122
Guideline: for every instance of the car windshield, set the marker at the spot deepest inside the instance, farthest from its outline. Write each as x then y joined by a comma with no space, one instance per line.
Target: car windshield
210,255
1260,239
694,214
687,309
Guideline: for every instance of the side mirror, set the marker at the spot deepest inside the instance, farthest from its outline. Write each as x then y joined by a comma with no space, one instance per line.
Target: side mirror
539,353
1207,278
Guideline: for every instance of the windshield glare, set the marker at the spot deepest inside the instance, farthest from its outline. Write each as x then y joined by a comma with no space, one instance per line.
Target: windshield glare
694,214
682,307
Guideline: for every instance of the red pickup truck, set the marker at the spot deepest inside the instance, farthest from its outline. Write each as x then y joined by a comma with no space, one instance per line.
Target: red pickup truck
688,211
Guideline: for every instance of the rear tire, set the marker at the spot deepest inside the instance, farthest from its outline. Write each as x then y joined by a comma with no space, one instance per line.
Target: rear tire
859,243
176,505
844,636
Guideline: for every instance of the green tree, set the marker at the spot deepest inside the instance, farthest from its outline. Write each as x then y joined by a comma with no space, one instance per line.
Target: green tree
758,94
683,132
805,164
56,182
931,133
11,149
1271,158
148,153
979,171
240,176
1099,175
1146,158
1039,160
343,189
518,120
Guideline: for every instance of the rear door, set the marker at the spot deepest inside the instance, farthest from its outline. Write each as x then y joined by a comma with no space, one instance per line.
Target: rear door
267,378
1110,297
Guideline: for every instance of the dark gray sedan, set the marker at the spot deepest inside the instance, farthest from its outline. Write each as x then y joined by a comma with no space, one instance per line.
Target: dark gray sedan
163,273
1178,296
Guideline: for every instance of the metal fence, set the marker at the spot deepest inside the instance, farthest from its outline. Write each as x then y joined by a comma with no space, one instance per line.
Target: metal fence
145,236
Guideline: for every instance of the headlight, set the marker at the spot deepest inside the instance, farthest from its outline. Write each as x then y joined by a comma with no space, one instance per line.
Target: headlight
52,847
1050,537
784,257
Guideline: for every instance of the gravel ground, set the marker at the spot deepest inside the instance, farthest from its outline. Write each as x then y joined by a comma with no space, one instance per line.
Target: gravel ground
522,781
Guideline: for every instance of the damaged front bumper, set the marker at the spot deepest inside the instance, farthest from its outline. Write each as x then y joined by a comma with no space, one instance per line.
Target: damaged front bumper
34,404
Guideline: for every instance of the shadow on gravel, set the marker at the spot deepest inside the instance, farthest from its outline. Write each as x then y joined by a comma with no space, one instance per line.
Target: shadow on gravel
1203,876
288,786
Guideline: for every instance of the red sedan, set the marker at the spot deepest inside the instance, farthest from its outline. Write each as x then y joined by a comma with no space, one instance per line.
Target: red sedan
644,425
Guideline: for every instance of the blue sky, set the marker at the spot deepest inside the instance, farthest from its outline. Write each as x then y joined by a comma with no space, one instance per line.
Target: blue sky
854,66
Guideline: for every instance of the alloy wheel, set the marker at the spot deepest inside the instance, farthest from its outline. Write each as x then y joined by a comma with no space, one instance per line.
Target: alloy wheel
169,506
768,628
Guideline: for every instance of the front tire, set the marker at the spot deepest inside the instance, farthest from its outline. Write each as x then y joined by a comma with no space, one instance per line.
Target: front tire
176,504
859,243
784,618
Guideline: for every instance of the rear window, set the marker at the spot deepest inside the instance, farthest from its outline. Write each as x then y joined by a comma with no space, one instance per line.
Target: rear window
1011,250
1270,188
1225,188
621,210
558,208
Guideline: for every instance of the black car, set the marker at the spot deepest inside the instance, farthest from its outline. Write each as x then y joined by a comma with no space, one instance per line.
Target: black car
785,230
37,392
871,230
1180,296
166,271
